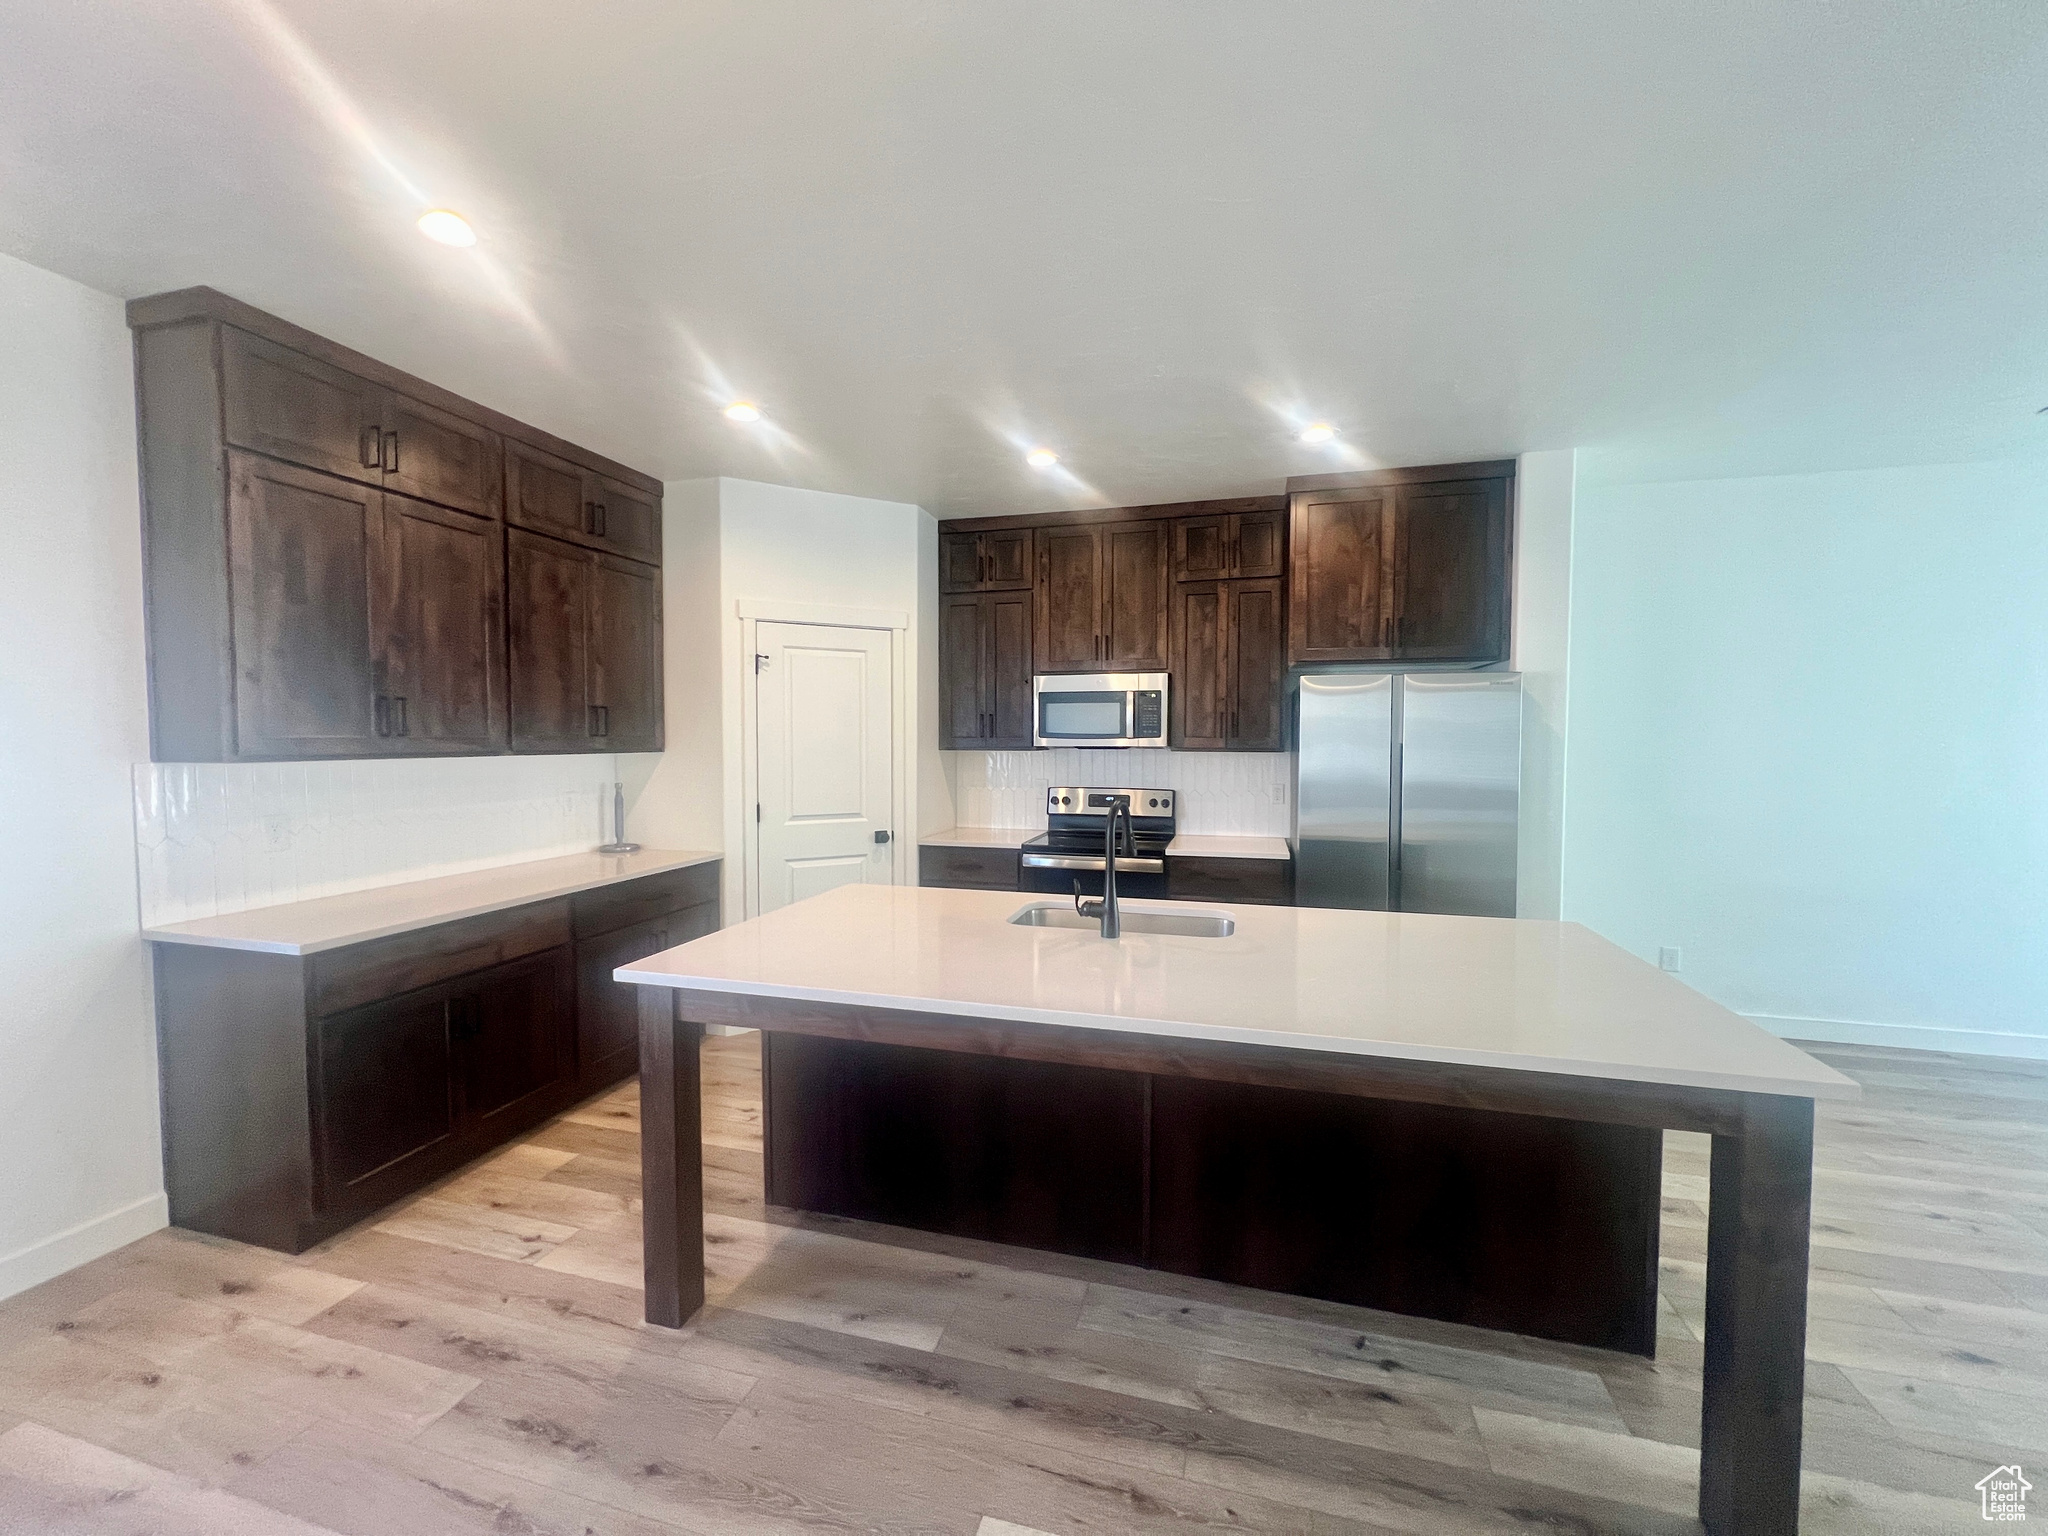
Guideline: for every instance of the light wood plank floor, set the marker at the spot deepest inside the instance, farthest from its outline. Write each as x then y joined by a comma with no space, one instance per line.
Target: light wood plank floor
474,1362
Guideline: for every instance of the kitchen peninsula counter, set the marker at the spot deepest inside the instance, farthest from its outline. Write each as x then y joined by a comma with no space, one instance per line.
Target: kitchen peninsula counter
1484,992
1453,1117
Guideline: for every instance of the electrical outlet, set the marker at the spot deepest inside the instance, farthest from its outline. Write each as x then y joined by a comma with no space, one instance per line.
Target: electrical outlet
1279,794
1668,959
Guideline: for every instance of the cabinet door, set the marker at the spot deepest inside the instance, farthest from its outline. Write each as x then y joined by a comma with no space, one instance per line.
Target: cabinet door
544,493
438,456
1258,544
1007,680
1200,707
291,406
608,1011
380,1093
1256,664
625,520
1134,565
1069,616
1341,576
548,602
1450,562
963,699
512,1029
960,564
625,655
302,548
1006,559
1201,548
441,620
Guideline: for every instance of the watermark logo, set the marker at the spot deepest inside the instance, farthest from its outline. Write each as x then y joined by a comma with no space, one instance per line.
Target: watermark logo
2005,1493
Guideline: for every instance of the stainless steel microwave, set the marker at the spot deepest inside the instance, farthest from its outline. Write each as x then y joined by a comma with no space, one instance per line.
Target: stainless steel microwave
1099,709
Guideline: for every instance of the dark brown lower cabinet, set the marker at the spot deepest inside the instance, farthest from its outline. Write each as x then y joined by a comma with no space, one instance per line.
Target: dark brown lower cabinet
608,1012
396,1081
300,1094
1517,1222
971,869
1266,882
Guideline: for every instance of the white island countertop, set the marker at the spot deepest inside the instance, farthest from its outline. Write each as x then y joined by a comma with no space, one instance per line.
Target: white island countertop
1471,991
353,917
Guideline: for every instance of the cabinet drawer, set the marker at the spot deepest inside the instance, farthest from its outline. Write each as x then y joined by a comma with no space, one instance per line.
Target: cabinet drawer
635,901
985,869
1267,882
363,973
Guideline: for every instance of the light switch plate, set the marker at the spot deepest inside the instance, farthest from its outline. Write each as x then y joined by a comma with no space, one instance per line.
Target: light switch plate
1668,959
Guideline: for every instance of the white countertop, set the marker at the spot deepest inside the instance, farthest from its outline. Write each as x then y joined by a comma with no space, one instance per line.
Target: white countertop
1199,846
329,922
1194,846
980,837
1478,991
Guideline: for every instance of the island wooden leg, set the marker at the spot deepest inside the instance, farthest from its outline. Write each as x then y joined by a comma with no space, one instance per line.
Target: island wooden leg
1759,1208
671,1159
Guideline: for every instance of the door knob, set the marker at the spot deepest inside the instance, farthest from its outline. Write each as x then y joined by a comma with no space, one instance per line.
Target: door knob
881,837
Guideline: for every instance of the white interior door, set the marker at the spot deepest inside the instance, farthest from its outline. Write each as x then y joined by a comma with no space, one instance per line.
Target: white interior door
825,727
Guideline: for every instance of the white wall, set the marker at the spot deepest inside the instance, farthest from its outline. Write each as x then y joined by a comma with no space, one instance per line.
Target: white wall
1545,486
771,544
1809,746
80,1168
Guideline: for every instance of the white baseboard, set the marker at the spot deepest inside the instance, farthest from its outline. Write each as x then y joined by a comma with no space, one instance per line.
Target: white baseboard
51,1257
1911,1037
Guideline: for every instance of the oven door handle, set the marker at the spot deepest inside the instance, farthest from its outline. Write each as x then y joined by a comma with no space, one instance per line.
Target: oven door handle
1124,866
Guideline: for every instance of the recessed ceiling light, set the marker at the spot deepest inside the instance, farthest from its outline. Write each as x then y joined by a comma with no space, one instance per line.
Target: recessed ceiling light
1041,458
1318,432
446,227
743,410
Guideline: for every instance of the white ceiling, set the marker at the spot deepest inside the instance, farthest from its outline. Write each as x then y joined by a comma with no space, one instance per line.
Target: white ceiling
1152,234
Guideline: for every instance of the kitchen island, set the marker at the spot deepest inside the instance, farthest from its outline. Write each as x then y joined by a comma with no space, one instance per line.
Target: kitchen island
1498,1017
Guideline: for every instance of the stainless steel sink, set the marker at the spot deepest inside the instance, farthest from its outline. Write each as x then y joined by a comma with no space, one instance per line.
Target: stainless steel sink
1138,917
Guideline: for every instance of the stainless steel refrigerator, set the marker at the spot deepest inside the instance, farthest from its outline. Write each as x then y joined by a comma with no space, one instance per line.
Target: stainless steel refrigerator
1406,791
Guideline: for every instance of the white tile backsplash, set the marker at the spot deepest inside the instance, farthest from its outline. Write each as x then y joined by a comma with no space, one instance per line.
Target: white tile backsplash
212,838
1241,794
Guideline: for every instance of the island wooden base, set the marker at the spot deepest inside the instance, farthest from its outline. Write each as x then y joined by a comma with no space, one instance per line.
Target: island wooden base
1531,1224
1762,1172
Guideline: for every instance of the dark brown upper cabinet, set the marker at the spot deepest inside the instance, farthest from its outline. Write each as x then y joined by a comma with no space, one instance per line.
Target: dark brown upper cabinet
442,680
985,667
303,552
363,623
1102,598
1451,571
585,632
325,559
1341,585
290,405
1224,546
1229,661
996,561
1400,565
551,495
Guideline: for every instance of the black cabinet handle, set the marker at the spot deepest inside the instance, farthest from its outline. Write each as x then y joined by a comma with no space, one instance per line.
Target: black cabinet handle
600,720
390,453
381,712
367,449
597,518
398,726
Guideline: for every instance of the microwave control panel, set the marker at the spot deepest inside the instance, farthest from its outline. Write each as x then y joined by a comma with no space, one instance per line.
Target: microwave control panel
1147,705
